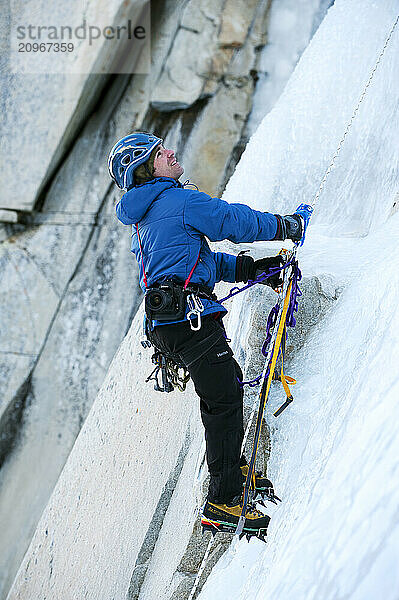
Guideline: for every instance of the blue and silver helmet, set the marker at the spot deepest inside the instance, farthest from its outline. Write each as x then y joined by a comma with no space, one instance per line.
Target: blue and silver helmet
129,153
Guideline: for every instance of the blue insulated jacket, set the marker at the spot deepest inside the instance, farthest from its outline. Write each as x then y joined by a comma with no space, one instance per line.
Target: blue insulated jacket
173,222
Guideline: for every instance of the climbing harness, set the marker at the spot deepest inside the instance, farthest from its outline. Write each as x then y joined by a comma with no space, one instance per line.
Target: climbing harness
167,301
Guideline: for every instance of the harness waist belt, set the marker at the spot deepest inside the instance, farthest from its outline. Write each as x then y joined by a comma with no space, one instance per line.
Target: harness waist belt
203,291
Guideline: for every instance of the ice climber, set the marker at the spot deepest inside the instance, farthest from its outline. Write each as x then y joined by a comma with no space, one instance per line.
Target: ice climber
170,228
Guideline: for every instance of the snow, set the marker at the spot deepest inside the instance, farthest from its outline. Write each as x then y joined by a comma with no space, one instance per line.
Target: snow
335,451
334,458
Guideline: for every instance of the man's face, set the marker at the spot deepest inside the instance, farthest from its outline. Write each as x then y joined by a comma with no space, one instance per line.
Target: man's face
166,165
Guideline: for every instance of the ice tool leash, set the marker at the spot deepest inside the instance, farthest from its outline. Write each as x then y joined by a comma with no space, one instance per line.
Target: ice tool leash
278,332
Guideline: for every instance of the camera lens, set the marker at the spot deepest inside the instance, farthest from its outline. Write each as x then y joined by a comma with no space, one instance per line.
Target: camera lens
155,300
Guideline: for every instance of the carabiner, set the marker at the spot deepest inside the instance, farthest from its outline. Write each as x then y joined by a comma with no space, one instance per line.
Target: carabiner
196,308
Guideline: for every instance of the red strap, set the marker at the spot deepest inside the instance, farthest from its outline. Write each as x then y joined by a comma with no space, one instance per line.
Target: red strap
142,260
192,270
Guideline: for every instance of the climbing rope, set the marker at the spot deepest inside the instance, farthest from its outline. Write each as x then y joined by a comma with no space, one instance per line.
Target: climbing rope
267,376
349,125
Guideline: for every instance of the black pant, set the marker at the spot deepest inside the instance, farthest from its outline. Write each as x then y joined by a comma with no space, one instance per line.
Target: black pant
215,374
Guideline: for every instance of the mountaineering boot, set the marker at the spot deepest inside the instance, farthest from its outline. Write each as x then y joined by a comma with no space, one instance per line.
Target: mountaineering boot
224,517
263,486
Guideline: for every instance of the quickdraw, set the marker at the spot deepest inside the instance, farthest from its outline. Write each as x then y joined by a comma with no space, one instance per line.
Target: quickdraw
195,308
172,375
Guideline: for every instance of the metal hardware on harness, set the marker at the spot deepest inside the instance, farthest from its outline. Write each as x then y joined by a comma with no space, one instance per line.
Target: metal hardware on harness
169,371
178,380
145,342
159,360
195,308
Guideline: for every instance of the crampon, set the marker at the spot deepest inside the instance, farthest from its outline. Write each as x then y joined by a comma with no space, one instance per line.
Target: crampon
215,528
223,518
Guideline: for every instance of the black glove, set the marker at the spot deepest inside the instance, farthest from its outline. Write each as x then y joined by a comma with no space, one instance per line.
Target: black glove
289,226
249,269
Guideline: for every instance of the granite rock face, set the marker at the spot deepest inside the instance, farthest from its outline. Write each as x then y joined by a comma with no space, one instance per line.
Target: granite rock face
64,377
68,96
70,295
127,423
216,83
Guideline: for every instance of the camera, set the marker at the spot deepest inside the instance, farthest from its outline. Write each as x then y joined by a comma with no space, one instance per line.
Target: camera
166,302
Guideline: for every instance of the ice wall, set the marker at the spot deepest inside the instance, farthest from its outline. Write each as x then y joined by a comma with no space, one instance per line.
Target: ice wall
334,457
292,24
